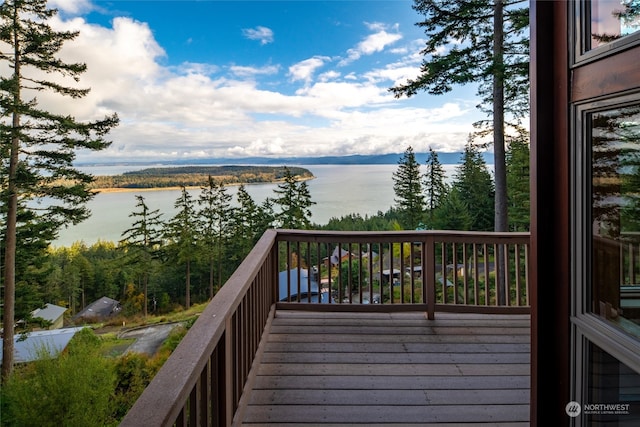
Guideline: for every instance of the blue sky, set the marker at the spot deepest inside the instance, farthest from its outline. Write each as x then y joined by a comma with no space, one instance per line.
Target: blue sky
194,79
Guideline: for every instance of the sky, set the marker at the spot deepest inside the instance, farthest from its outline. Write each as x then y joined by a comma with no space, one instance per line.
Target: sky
233,79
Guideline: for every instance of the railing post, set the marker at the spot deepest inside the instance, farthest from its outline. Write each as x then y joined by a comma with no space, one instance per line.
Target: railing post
228,372
429,275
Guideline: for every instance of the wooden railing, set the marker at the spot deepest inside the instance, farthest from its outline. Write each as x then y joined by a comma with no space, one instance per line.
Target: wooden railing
430,270
202,382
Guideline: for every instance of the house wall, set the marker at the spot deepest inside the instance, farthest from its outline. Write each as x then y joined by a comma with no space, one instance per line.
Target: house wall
549,257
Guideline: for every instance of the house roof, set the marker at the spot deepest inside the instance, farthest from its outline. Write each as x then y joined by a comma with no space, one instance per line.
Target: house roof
50,312
338,254
29,347
303,288
104,307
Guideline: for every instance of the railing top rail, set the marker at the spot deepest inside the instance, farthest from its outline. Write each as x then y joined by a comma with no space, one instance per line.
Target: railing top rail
172,384
323,236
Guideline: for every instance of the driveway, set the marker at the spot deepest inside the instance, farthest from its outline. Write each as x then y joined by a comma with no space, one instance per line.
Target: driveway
148,338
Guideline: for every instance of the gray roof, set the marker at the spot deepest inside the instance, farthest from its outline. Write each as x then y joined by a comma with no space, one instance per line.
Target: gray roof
50,312
29,347
292,283
104,307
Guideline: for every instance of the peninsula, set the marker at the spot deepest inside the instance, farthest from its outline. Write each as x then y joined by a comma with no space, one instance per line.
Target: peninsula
195,176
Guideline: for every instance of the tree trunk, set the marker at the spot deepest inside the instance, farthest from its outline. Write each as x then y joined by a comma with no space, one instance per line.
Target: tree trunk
500,222
12,221
145,285
188,286
498,120
10,257
211,261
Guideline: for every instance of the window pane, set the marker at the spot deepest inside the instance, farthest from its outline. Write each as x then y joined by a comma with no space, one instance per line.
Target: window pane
615,213
613,19
613,391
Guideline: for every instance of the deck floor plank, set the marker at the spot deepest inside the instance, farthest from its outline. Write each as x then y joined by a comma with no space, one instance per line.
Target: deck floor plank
329,369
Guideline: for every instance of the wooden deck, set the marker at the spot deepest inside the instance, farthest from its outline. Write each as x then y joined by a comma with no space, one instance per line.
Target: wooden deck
336,369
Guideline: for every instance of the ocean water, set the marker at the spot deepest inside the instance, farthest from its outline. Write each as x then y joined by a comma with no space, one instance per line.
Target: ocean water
337,190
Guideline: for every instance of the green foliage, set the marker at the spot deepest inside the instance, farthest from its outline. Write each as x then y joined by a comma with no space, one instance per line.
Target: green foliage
475,187
215,222
410,201
435,187
518,184
355,222
141,242
134,371
294,200
181,233
38,146
459,50
352,274
483,43
73,389
453,213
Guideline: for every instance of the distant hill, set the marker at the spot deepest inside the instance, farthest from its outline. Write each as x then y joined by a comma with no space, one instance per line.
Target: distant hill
197,176
374,159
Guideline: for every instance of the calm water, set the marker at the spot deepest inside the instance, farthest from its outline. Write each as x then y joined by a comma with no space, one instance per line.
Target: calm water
337,190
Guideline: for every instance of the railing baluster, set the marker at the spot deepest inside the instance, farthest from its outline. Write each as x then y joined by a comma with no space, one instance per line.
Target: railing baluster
193,406
429,275
518,282
465,274
454,252
507,281
412,275
476,276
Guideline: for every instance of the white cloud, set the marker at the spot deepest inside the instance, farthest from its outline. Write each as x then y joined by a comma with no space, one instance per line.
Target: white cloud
329,75
373,43
71,6
196,68
304,70
264,34
220,110
245,71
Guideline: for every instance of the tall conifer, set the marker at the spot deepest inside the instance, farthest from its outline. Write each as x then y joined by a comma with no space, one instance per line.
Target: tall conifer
38,146
407,187
435,186
486,43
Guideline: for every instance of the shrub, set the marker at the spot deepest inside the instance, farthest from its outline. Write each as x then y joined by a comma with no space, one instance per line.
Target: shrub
73,389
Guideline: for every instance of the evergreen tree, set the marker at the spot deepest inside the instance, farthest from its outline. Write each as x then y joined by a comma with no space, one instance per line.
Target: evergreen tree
216,216
518,183
142,241
181,232
473,182
435,187
38,146
294,201
485,43
250,222
453,213
409,199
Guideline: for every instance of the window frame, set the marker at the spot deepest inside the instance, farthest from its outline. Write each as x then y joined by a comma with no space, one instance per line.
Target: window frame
581,37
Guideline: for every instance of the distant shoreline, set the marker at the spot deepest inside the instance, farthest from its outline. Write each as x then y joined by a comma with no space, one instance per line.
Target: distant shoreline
177,187
194,177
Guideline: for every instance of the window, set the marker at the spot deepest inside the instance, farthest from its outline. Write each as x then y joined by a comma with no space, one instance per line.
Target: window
606,26
615,216
613,391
